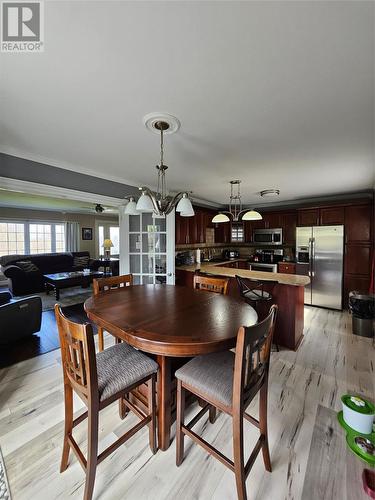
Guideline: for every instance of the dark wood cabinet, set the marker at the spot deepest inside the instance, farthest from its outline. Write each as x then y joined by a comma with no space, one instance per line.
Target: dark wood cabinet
223,232
308,217
358,224
288,223
182,230
330,216
272,220
358,260
286,267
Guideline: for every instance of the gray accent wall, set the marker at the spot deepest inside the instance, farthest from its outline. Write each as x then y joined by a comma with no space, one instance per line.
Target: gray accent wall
41,173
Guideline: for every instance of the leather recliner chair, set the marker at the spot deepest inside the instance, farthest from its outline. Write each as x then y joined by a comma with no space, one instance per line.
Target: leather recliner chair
19,318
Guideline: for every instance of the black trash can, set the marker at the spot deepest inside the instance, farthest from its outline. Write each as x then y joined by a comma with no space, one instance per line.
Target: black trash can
362,308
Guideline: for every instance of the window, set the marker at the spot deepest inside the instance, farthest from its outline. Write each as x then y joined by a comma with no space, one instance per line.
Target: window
12,238
237,232
114,234
31,237
109,231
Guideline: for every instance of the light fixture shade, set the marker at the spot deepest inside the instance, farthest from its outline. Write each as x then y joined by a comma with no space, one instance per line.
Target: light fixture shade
144,204
184,205
220,218
188,213
252,215
131,207
107,243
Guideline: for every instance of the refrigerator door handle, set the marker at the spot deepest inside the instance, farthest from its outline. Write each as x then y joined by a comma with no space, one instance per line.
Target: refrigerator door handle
312,257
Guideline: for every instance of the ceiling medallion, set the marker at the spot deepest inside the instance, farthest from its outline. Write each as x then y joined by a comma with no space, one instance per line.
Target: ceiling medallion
160,203
236,213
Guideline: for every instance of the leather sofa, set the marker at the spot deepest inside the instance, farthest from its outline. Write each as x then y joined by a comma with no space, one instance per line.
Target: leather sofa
19,318
24,282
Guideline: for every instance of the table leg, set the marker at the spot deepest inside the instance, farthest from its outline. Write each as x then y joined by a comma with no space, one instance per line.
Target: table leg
164,402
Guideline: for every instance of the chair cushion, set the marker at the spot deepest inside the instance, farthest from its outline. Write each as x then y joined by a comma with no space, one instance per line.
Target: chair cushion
257,295
119,367
211,374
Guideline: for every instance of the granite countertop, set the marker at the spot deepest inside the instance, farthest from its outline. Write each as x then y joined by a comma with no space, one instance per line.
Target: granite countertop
217,269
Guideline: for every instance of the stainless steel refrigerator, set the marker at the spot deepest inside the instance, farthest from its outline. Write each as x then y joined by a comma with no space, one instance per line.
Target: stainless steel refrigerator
320,255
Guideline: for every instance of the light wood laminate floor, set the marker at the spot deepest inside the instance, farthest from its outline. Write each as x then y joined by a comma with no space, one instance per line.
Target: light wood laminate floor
308,452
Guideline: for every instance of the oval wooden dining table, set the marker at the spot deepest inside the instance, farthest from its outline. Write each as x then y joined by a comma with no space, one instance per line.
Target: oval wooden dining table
170,321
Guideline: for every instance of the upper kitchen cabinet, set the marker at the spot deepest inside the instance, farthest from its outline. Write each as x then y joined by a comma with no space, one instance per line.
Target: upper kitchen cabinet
358,224
331,216
192,230
308,217
272,220
288,223
223,232
182,229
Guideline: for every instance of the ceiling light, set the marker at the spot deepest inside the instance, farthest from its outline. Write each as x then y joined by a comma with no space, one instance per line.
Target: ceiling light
270,192
235,212
131,207
184,205
160,203
144,204
252,215
220,218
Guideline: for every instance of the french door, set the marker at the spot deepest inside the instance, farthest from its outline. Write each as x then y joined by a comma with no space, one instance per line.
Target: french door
147,248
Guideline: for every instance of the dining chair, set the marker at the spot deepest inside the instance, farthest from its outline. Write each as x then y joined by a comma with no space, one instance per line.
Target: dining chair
229,382
99,380
209,284
108,284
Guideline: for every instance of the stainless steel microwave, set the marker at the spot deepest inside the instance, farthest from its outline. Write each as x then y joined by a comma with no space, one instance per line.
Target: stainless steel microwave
268,236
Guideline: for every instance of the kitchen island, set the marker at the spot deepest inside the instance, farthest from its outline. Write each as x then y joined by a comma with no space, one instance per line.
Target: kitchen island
287,292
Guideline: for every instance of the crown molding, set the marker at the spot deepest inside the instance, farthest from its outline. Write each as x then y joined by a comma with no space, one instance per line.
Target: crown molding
35,188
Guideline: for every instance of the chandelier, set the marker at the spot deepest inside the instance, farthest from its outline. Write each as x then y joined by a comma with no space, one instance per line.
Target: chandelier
160,203
236,213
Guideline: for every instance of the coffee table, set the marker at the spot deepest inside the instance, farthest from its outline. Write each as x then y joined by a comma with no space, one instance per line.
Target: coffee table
59,281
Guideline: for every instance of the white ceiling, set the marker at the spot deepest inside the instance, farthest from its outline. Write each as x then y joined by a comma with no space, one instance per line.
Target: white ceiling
278,94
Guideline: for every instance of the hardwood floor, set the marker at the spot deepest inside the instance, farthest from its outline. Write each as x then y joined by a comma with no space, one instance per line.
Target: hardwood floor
42,342
308,452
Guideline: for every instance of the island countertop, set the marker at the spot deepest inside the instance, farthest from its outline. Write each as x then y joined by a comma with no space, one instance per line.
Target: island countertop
218,270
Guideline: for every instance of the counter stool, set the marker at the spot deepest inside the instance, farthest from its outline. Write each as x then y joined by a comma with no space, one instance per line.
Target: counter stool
252,290
99,380
229,382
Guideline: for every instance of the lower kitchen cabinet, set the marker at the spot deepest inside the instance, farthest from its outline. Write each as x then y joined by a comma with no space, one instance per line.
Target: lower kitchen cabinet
287,267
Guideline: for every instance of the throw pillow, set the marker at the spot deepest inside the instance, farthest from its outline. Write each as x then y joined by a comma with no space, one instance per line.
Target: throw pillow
81,261
27,266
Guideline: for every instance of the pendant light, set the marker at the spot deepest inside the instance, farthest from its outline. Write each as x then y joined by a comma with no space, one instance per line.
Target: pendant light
235,212
160,203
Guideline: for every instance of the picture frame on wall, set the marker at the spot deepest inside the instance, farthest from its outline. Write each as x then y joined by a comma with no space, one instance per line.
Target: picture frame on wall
87,233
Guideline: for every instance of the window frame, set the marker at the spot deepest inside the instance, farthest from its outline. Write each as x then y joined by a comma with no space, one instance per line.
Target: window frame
26,224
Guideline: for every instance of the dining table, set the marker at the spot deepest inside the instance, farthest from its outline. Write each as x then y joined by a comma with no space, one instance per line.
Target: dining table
169,322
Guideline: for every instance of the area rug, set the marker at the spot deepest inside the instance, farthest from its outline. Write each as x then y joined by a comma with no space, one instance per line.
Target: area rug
4,486
68,297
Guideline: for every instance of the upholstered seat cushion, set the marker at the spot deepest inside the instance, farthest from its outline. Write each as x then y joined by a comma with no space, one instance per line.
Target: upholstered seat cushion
121,366
257,295
211,374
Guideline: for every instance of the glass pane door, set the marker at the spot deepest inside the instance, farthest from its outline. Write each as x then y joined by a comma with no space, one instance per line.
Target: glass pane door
148,248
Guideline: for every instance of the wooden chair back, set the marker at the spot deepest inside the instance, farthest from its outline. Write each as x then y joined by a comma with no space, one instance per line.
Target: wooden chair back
209,284
113,282
255,286
77,355
253,350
